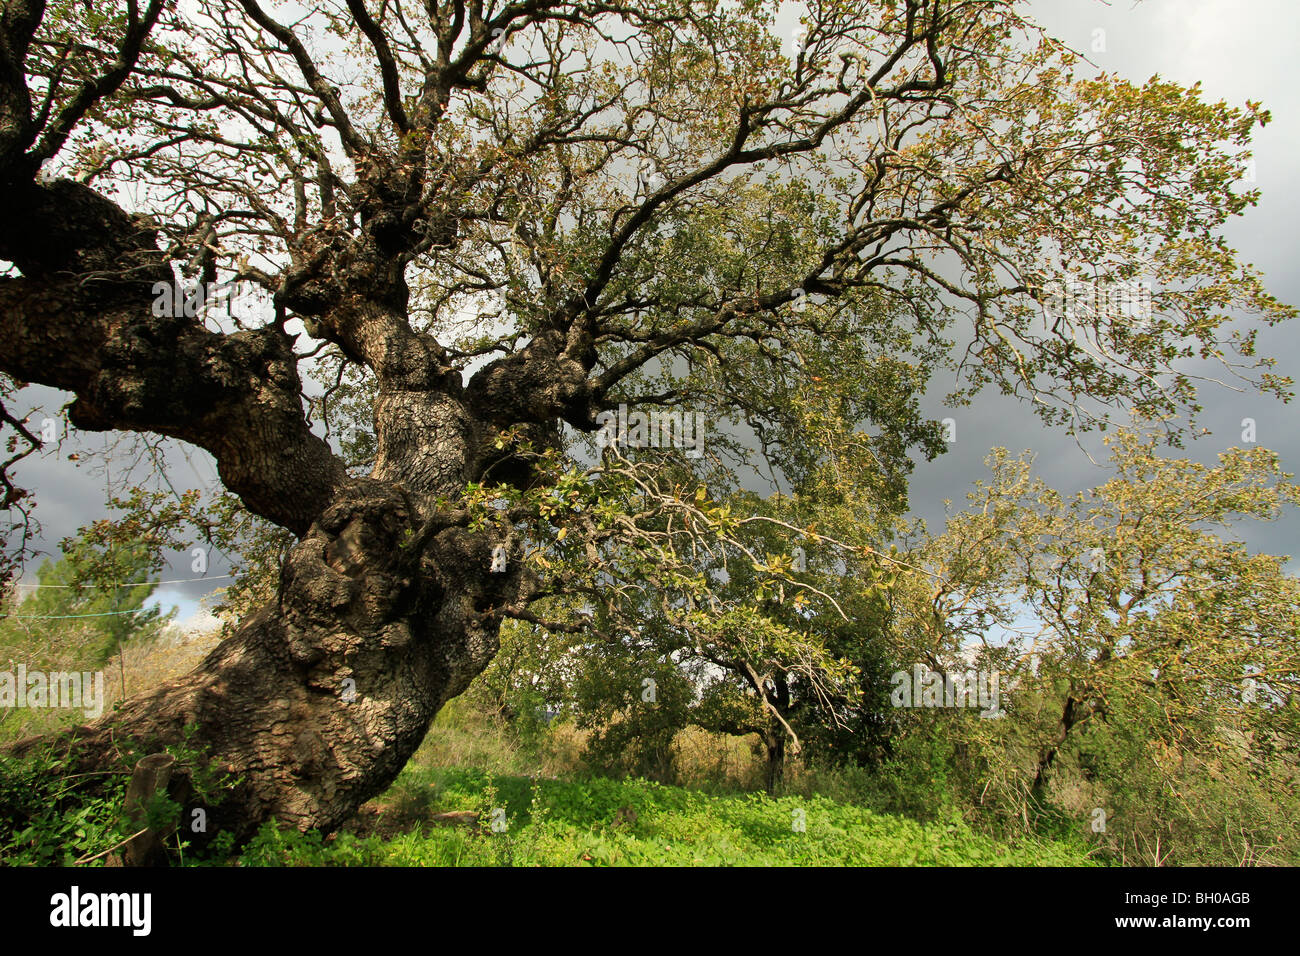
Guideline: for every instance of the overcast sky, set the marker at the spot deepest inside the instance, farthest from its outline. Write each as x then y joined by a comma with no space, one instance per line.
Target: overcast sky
1238,50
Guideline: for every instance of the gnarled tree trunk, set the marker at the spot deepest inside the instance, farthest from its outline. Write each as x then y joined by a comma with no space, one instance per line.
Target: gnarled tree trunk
386,608
320,699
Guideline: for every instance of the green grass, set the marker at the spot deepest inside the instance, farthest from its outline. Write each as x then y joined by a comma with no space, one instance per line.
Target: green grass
601,822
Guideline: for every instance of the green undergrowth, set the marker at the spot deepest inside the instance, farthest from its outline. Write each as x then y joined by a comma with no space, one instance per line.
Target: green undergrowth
602,822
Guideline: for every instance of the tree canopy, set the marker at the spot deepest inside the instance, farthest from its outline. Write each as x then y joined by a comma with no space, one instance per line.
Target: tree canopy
472,231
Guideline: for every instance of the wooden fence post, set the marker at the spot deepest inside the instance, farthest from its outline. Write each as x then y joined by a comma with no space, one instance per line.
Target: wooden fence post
152,775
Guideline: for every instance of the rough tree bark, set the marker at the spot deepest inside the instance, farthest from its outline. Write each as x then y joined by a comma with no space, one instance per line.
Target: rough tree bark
383,598
320,699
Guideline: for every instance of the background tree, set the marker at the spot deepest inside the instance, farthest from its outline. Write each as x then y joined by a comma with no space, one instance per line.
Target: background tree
86,607
1149,666
105,592
484,209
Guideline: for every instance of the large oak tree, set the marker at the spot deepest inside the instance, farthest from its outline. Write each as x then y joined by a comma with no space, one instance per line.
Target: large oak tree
499,220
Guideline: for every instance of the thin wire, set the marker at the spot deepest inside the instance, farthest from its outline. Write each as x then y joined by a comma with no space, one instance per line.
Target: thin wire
214,577
64,617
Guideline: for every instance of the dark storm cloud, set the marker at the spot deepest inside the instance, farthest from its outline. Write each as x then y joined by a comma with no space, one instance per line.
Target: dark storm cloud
1238,52
71,494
